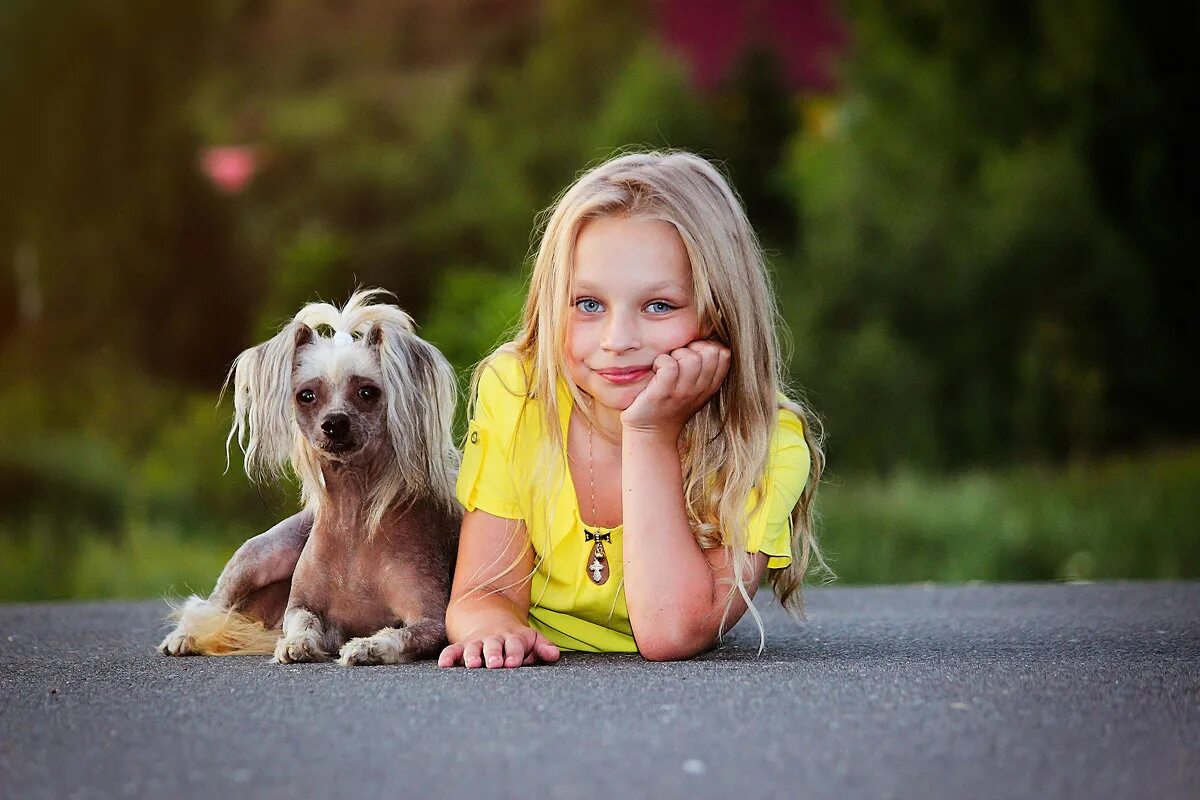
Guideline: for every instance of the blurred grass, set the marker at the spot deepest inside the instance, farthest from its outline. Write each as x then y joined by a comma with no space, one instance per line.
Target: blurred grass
1131,517
1128,517
144,560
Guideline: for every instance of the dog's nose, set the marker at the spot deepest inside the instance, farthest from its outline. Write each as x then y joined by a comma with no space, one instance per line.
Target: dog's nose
336,426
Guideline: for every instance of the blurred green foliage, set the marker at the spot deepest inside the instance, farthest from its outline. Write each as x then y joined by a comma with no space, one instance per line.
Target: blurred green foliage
980,244
986,251
1118,518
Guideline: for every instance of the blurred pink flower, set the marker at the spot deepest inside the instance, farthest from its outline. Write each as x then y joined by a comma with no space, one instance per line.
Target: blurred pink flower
230,168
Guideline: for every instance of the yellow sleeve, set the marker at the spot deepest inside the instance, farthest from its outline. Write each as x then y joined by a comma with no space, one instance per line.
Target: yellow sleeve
486,477
768,529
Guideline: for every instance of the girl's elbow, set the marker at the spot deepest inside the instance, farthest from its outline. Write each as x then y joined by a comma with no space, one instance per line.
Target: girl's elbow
677,647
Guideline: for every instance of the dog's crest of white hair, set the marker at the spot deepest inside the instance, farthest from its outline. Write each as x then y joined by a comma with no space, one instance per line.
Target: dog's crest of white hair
419,389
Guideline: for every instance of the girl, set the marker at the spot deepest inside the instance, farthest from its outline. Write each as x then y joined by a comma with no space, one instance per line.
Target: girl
632,469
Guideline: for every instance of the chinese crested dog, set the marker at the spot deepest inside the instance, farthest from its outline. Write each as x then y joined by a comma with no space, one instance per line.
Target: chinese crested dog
361,409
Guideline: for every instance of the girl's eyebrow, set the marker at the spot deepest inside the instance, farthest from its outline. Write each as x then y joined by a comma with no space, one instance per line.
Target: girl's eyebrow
583,287
658,287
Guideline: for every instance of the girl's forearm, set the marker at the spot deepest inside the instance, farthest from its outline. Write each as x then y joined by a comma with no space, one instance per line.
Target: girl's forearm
669,587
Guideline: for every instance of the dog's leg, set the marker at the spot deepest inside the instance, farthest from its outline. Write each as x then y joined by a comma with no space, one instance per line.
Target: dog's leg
263,560
303,634
255,583
424,638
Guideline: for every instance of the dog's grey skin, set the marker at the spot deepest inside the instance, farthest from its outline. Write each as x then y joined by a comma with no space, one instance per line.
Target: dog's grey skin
387,596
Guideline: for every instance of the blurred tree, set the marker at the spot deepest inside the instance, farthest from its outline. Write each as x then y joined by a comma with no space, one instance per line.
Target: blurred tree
116,240
357,110
755,117
986,197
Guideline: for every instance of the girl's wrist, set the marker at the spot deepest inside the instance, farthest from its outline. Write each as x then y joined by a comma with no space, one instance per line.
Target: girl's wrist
487,615
651,435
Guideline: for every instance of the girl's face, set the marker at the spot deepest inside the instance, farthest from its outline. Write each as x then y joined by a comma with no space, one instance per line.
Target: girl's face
632,300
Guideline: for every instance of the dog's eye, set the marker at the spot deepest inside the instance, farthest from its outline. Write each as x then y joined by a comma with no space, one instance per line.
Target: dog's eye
368,393
307,396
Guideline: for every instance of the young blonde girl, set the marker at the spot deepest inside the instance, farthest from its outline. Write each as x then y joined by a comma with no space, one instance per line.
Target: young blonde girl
633,465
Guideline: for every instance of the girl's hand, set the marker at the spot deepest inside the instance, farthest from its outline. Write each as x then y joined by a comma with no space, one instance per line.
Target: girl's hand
683,382
518,647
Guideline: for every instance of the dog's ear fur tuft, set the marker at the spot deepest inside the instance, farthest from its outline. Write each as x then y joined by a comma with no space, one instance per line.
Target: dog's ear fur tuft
263,418
375,336
303,336
421,392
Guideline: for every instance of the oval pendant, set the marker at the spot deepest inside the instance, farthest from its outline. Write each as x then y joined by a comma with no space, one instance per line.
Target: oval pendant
597,567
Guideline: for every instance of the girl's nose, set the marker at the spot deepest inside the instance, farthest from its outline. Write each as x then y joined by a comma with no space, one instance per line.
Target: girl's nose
621,334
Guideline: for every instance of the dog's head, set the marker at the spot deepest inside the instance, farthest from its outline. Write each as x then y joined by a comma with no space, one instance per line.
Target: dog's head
355,387
337,388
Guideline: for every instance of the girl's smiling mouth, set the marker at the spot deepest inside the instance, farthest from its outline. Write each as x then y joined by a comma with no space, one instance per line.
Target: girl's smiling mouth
625,375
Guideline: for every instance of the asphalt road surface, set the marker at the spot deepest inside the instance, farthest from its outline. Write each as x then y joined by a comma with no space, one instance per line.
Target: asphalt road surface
979,691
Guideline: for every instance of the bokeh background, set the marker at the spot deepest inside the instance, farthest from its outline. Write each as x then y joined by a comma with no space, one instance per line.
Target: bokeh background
981,217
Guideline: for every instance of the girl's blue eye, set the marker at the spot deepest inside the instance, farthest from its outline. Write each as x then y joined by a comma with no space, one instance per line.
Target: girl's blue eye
588,306
660,307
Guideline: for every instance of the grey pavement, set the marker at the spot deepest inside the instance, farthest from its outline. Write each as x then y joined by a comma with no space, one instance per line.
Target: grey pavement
980,691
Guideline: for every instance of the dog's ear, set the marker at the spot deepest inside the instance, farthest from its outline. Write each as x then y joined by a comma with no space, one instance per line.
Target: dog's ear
302,337
421,395
375,336
263,418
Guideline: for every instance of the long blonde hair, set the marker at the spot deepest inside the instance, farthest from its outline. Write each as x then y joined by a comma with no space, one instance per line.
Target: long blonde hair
726,444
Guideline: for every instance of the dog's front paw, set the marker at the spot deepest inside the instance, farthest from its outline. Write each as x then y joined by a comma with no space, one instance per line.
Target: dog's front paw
304,647
178,643
385,647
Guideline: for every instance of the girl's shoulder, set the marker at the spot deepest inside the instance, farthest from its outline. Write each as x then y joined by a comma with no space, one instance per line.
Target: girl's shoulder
788,424
503,384
788,445
505,403
509,369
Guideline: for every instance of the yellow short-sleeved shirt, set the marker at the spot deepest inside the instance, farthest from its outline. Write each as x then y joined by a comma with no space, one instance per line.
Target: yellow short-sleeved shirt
499,475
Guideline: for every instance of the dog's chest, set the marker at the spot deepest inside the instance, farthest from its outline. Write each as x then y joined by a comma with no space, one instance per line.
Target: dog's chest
347,591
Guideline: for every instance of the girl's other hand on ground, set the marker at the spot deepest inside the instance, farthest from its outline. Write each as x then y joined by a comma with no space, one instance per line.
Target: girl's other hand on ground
683,382
520,647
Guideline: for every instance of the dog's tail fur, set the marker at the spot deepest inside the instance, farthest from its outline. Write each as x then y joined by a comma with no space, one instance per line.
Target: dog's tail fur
218,631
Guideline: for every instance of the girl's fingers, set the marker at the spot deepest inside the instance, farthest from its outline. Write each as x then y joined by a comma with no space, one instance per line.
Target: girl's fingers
666,374
545,649
472,654
690,364
723,359
708,365
493,652
715,360
514,650
450,655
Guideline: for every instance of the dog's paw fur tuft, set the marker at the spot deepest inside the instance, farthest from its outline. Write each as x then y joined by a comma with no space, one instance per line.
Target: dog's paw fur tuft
388,646
301,648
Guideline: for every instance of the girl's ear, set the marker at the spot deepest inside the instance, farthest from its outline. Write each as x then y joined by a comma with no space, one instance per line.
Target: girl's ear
421,394
263,418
